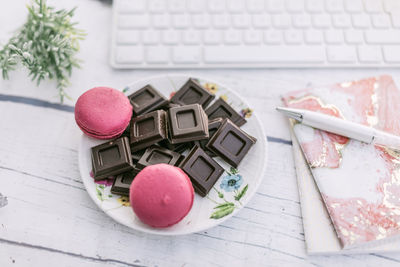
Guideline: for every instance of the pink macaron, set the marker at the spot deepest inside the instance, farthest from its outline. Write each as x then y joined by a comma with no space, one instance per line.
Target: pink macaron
161,195
103,112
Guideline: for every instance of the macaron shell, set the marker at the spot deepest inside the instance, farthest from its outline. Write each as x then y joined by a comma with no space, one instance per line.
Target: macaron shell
89,132
102,137
161,195
103,111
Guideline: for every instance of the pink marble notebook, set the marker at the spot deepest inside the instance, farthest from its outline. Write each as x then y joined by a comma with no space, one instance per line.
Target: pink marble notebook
359,183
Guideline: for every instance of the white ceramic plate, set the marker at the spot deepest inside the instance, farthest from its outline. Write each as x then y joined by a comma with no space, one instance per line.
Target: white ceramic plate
230,193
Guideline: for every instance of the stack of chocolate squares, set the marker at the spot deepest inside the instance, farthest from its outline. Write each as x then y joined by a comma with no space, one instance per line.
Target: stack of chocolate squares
162,131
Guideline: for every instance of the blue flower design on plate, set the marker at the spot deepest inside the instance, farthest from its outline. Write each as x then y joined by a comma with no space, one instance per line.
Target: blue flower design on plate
231,182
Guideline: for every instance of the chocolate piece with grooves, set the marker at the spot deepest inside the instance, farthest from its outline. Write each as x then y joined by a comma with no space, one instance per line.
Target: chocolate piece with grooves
202,170
213,126
111,158
221,109
231,143
122,183
155,155
187,123
148,129
180,148
192,93
147,99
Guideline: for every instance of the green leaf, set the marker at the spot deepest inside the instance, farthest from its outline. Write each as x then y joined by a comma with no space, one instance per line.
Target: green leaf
222,212
220,195
226,204
234,171
99,194
241,193
101,186
46,45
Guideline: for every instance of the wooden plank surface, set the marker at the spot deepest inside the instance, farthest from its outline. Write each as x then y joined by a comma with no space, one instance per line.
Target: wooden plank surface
51,221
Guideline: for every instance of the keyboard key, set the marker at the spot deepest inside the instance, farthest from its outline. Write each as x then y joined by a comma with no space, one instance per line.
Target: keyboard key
128,37
295,6
334,36
275,6
176,6
129,54
136,21
396,20
170,37
334,6
373,6
252,37
369,54
161,21
353,6
314,6
196,6
236,6
232,37
392,53
201,20
212,37
221,21
186,54
381,21
191,37
181,21
273,37
391,6
157,6
382,37
216,6
261,20
361,21
314,37
341,21
281,21
321,21
342,54
233,54
241,21
151,37
255,6
157,54
301,21
125,6
293,37
354,37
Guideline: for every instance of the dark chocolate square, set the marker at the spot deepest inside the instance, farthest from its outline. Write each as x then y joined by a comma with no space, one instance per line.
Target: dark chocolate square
122,183
147,99
111,158
180,148
191,93
137,155
221,109
148,129
231,143
156,155
202,170
187,123
213,126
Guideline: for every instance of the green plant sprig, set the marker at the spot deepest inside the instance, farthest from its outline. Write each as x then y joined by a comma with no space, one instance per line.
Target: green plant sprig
46,44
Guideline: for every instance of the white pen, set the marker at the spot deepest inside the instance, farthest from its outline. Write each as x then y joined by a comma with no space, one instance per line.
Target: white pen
342,127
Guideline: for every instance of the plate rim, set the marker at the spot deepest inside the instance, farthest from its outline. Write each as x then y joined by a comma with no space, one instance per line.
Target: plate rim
157,231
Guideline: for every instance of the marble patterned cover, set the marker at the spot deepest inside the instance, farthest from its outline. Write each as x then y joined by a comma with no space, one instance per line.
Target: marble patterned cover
359,183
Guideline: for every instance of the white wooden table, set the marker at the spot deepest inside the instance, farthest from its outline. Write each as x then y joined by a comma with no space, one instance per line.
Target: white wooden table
50,219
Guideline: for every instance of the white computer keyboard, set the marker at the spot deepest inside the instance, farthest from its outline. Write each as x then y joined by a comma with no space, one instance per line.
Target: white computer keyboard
255,33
